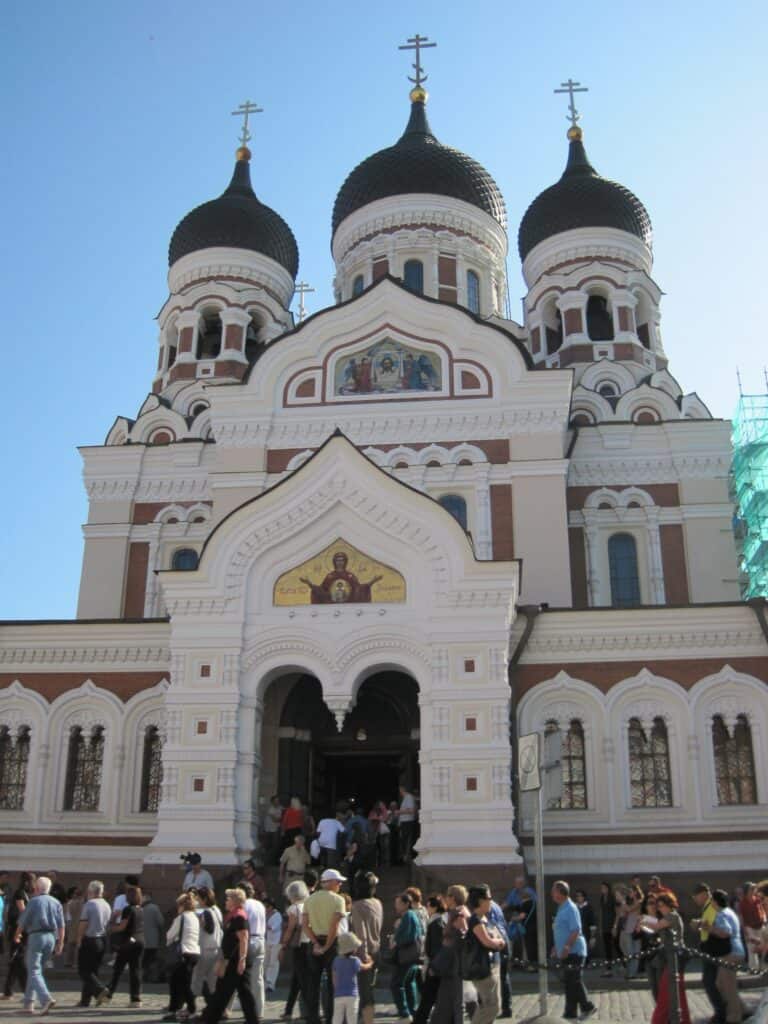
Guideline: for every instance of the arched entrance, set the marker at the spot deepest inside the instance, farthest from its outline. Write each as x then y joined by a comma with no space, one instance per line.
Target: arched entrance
376,751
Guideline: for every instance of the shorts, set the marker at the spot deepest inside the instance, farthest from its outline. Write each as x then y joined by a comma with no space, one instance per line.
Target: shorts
366,982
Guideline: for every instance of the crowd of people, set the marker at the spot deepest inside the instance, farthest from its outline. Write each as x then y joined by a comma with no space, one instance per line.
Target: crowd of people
323,931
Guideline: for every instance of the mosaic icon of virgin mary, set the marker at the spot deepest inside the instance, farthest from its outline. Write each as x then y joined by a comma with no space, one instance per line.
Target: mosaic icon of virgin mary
340,586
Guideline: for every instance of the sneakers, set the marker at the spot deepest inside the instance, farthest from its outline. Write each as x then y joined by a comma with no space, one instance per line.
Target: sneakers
590,1011
47,1006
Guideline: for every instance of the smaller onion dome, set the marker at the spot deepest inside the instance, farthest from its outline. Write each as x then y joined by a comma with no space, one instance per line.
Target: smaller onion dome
237,220
582,199
418,163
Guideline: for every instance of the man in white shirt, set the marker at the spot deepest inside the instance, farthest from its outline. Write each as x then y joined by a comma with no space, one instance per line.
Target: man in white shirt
328,831
406,817
197,875
257,928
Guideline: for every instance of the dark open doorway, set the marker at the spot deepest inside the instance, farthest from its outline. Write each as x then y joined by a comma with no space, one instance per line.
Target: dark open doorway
376,751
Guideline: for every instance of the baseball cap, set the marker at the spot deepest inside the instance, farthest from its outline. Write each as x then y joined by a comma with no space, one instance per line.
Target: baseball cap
332,875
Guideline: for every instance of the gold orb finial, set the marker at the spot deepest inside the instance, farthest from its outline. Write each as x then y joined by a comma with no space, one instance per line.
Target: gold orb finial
243,153
418,95
575,133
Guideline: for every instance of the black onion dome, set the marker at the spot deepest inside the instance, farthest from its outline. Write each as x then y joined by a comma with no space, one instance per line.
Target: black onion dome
582,199
236,220
418,163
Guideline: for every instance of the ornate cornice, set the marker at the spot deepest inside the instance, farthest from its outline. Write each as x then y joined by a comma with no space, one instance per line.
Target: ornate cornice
391,427
60,655
551,646
642,469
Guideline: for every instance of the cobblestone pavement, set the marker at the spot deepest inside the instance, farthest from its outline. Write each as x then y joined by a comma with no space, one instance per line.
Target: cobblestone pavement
618,1003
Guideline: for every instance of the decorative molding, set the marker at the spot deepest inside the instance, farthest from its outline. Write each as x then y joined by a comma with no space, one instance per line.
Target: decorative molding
44,655
441,783
642,469
556,647
392,427
441,723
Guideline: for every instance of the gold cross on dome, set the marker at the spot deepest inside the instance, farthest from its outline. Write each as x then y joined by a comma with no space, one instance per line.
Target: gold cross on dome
243,111
417,43
572,87
302,289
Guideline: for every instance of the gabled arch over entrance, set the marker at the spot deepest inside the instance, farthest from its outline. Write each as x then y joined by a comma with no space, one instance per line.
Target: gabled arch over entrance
232,644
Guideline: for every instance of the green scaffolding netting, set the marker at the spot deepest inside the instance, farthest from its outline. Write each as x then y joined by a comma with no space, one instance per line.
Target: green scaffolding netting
749,488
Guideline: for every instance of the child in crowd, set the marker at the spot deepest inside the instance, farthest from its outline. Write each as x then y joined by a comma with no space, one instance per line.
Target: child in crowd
346,967
272,946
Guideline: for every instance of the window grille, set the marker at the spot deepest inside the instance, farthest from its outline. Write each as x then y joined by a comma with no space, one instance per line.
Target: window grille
734,762
151,770
84,767
625,580
649,772
14,759
573,766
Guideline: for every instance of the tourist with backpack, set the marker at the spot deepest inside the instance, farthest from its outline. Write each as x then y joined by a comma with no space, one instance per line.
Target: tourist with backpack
480,955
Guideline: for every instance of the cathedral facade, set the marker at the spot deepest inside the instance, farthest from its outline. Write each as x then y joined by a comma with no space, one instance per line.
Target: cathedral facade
377,546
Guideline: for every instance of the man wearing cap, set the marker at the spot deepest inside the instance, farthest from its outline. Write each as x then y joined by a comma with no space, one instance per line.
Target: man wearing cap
323,911
196,875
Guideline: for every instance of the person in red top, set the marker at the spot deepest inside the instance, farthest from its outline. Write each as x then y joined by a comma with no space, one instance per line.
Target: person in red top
753,919
292,822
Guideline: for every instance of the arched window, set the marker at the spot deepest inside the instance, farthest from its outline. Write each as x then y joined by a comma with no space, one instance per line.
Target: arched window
649,774
573,768
14,758
457,506
184,560
84,766
209,336
413,276
473,292
607,389
151,769
734,762
599,319
357,285
625,581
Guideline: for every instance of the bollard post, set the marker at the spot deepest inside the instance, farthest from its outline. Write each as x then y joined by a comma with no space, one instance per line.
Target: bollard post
673,974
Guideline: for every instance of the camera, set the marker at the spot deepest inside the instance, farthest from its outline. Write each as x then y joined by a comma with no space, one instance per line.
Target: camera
189,859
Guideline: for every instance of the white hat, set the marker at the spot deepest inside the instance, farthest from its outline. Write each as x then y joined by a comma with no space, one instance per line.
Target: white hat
332,875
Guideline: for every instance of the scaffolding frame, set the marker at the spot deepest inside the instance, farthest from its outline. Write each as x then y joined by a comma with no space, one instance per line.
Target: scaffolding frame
749,490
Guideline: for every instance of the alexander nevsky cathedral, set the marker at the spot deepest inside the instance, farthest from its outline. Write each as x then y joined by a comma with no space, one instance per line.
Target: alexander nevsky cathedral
329,556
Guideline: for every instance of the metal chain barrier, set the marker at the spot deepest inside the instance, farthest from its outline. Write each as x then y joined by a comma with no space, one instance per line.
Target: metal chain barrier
596,964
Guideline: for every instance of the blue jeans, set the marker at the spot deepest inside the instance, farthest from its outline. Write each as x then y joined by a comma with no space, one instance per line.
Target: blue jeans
39,949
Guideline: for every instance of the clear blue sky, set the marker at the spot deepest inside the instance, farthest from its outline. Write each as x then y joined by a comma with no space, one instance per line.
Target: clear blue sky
116,123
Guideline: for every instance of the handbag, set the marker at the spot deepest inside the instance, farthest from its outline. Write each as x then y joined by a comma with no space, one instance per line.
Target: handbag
174,953
474,959
407,955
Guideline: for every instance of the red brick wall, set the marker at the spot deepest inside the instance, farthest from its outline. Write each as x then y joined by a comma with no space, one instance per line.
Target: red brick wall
496,451
52,684
136,580
380,268
606,674
674,564
578,554
502,526
572,321
665,495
